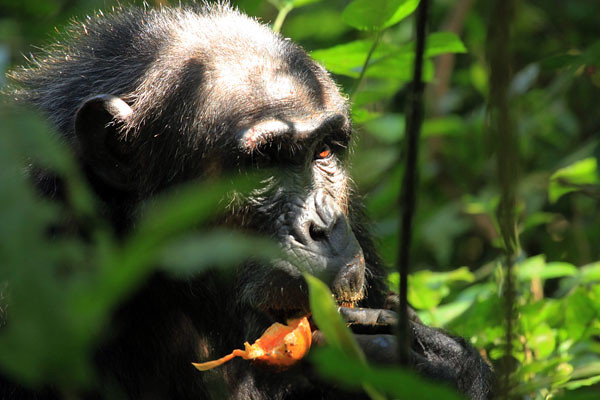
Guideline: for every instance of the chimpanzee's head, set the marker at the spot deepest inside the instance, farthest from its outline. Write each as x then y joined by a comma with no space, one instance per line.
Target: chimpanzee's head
152,98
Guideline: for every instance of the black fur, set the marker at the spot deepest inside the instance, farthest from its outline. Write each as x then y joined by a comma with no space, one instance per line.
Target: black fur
151,98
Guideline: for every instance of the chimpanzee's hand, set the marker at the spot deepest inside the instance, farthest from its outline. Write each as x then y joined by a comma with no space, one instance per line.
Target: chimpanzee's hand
435,354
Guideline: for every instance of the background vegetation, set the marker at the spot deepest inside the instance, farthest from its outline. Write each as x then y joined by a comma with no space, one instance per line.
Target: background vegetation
61,292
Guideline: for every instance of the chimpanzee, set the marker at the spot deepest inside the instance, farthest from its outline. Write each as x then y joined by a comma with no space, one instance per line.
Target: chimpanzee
150,98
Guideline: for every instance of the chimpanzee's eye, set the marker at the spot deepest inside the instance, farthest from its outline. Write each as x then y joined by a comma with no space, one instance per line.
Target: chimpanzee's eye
323,152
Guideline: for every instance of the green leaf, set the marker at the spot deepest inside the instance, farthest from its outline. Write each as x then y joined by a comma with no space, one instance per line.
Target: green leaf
590,395
450,125
389,128
590,273
300,3
443,42
325,25
576,384
348,58
326,316
199,251
536,267
338,336
542,340
399,67
423,297
567,179
579,313
426,289
388,61
377,14
561,61
395,382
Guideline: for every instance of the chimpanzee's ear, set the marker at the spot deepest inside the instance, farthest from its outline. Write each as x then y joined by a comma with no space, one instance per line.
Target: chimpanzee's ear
98,125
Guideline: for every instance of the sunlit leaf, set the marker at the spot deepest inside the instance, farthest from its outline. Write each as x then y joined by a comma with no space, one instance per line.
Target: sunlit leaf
325,313
590,273
536,267
580,311
443,42
338,336
300,3
542,340
568,179
377,14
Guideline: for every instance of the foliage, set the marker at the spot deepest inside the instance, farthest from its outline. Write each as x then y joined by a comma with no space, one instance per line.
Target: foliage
61,294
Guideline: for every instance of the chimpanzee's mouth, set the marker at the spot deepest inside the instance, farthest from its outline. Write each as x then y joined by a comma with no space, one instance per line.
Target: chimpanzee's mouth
282,316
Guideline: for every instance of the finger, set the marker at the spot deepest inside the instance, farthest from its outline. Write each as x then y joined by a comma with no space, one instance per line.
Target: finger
369,319
380,349
392,302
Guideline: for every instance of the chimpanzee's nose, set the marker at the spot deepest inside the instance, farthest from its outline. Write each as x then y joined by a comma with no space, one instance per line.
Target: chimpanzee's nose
326,232
327,222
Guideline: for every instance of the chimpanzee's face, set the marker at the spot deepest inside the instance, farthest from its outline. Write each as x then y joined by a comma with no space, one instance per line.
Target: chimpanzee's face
297,128
245,100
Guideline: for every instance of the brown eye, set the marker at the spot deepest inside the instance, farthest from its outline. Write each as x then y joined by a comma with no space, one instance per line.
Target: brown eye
324,152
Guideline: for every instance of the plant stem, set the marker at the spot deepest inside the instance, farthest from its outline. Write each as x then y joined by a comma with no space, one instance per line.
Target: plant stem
365,66
505,142
283,12
414,119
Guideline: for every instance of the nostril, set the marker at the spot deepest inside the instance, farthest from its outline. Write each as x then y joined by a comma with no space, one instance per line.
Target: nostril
317,233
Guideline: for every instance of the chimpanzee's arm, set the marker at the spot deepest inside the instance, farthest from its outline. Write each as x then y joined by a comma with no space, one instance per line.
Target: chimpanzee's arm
434,353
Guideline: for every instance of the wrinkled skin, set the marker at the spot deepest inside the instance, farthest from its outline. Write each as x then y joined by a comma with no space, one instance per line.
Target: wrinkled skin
149,99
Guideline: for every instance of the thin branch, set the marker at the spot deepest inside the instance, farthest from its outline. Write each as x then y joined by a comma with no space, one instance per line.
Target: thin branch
505,142
361,77
283,12
414,119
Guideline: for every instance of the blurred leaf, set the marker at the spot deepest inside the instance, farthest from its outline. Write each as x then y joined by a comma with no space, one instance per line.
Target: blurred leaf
368,168
590,56
479,78
397,383
377,14
579,313
426,289
376,90
536,267
590,273
443,126
388,60
338,336
389,128
326,316
542,340
362,115
348,58
399,68
577,383
325,24
441,228
300,3
443,42
40,342
197,252
567,179
423,296
561,61
592,395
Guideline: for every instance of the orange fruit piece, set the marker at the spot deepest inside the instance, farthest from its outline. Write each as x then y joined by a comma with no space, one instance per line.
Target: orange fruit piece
280,345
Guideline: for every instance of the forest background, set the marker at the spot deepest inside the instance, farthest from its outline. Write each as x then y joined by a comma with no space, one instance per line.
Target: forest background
458,260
